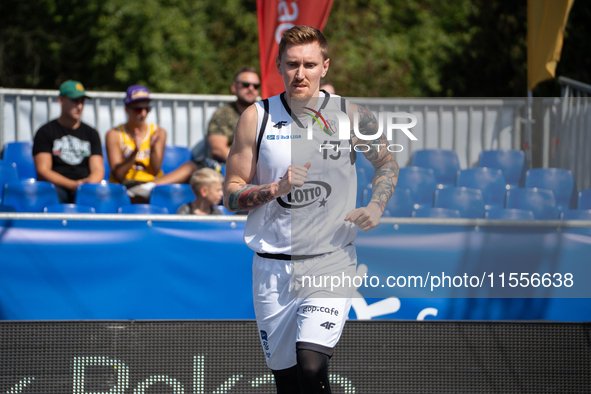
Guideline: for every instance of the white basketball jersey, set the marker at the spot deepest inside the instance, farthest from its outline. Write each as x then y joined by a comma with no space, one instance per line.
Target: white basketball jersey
310,220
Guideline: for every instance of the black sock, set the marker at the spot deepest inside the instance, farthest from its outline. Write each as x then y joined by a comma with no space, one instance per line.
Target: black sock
313,372
286,381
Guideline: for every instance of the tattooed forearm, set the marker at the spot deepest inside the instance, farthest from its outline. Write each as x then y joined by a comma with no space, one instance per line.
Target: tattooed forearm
249,197
383,161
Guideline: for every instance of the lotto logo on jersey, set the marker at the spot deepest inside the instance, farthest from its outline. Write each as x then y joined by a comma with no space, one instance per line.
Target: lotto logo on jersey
311,193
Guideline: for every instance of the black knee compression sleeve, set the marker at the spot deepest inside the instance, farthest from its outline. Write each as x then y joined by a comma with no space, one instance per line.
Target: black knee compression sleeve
286,381
313,372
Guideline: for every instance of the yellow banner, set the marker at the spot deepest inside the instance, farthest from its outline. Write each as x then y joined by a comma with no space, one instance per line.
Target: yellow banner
546,21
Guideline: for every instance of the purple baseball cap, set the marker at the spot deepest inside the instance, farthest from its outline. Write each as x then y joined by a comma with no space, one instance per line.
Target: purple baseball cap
136,93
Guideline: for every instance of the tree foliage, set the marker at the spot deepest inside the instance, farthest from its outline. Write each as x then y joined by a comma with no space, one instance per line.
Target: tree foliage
401,48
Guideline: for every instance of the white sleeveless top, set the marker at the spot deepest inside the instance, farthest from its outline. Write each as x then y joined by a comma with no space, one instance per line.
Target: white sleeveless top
311,219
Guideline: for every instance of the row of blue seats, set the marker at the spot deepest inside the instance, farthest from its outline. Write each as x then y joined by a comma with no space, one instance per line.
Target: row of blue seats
21,153
422,184
463,202
30,195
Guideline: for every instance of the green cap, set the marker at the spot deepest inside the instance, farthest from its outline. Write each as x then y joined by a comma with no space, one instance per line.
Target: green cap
72,89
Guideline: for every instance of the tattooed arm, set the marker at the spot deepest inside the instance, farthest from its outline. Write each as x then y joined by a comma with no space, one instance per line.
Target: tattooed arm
385,166
239,194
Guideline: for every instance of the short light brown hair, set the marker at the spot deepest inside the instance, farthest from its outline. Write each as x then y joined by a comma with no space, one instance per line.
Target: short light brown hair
245,69
204,177
303,35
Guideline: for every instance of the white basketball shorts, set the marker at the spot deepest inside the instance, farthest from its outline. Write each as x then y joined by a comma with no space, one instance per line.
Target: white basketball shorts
314,322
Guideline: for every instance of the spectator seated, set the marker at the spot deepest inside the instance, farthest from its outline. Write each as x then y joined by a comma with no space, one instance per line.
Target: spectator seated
68,208
560,181
509,214
21,153
489,181
430,212
511,162
540,201
29,195
444,163
104,197
468,201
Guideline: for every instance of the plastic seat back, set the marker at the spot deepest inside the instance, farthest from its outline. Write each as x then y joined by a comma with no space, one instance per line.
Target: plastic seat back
172,196
540,201
430,212
509,214
468,201
399,205
174,156
421,183
68,208
145,209
444,163
21,153
29,195
106,164
560,181
576,214
510,161
584,200
104,197
8,173
489,181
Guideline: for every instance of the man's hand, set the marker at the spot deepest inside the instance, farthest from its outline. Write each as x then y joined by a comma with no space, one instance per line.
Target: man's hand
365,218
137,138
295,176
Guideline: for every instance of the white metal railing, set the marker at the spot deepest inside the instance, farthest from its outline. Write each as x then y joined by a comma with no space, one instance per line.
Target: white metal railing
466,126
572,141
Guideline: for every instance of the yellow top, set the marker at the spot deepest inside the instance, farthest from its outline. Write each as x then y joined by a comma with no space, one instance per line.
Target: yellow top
140,170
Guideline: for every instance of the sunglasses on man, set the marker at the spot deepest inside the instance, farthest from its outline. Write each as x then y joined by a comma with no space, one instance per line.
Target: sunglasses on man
138,110
246,85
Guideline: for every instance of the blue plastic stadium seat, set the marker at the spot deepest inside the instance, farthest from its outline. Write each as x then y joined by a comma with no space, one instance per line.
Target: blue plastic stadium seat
8,173
104,197
29,195
511,162
509,214
584,199
362,181
6,208
223,210
421,183
488,180
468,201
560,181
576,214
362,163
106,164
430,212
145,209
68,208
172,196
399,205
21,153
174,156
444,163
540,201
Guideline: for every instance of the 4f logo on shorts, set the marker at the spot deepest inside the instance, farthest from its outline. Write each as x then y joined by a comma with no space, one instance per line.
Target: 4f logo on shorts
327,324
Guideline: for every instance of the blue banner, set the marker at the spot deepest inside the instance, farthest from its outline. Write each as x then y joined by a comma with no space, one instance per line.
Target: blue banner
138,269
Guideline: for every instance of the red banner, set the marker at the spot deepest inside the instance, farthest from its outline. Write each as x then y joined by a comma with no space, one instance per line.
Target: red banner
276,16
